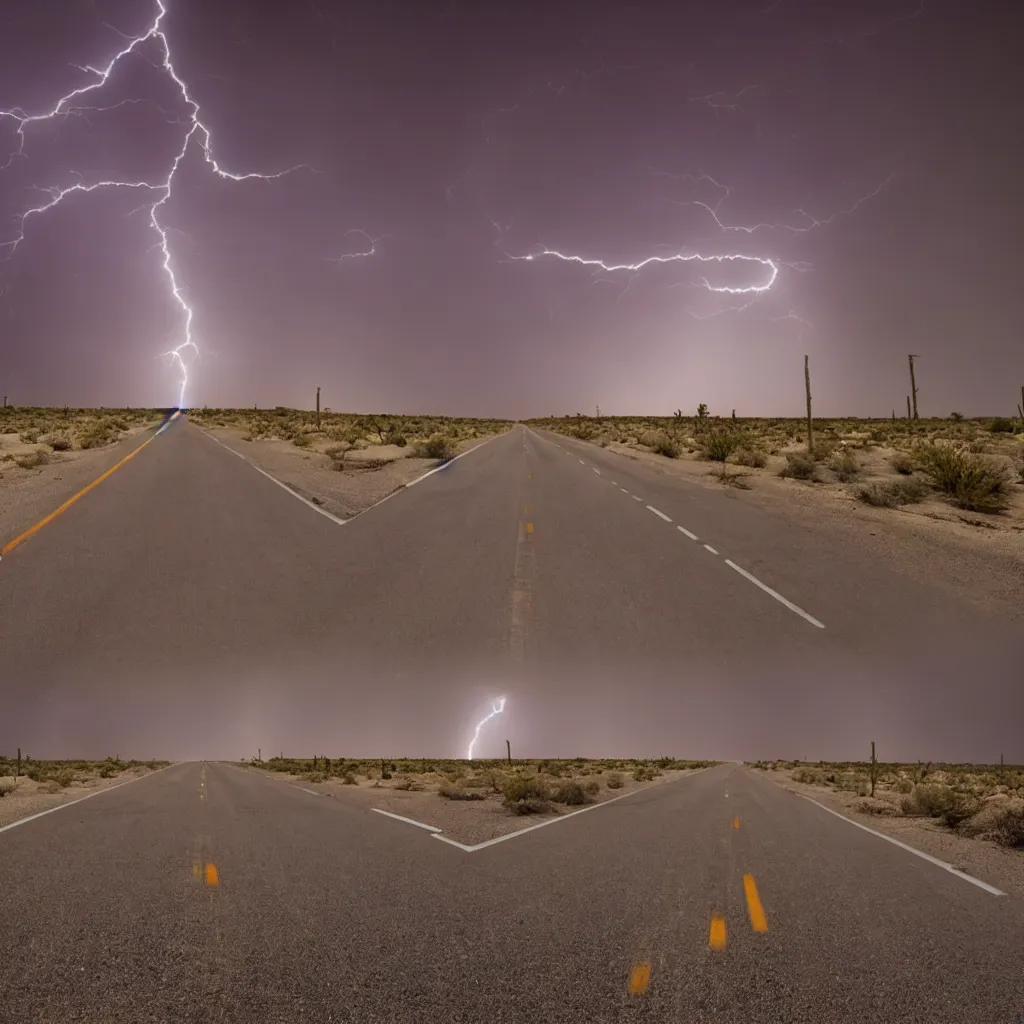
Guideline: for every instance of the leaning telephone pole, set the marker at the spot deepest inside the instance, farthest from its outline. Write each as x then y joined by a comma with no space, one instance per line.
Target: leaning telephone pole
810,422
318,408
913,385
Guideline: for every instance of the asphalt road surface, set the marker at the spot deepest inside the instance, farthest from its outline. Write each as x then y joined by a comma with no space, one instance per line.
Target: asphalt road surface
208,893
187,607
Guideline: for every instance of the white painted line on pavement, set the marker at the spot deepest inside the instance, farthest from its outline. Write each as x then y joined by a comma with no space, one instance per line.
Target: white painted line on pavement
624,491
273,479
554,821
911,849
71,803
683,529
437,469
597,471
662,515
408,821
581,462
774,593
636,497
708,547
615,483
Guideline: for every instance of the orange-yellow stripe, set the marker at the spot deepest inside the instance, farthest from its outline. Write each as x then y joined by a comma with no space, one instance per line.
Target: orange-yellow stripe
757,919
12,544
716,939
639,978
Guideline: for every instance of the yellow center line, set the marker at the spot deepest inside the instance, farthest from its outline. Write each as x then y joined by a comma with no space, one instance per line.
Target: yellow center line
735,822
12,544
716,940
529,527
639,978
757,919
211,875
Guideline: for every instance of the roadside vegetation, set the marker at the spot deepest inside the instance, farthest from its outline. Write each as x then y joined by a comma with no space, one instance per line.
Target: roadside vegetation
980,801
351,441
34,436
974,465
35,776
518,787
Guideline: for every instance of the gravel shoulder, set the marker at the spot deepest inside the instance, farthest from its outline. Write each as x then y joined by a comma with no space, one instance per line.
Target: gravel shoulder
29,797
979,558
974,855
466,821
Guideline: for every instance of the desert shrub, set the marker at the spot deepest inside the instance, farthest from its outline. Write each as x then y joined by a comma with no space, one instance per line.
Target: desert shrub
302,440
933,800
399,440
902,463
844,465
973,482
437,447
50,786
59,440
64,777
30,460
662,444
591,787
7,784
1000,425
812,776
903,786
453,792
799,465
718,445
569,792
750,457
823,448
526,795
349,779
892,493
956,417
1008,827
645,773
314,776
614,780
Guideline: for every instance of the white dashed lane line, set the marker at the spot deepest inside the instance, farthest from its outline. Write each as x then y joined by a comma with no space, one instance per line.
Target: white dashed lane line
732,565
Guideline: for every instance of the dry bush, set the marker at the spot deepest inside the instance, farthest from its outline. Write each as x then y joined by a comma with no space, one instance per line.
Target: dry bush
436,447
58,440
973,482
1008,827
893,493
30,460
570,792
718,444
845,466
662,444
526,795
7,785
902,463
747,456
614,780
454,792
799,466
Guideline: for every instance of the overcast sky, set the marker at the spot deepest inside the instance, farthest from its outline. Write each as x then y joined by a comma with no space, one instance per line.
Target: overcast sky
870,145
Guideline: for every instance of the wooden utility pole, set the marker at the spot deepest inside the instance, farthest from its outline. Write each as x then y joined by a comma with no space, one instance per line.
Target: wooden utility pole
810,422
908,407
318,408
873,767
913,385
508,748
1020,408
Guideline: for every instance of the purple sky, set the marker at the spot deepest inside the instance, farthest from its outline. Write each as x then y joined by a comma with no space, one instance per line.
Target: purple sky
458,134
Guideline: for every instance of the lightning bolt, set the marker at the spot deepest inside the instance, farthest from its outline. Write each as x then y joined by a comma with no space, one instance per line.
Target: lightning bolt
810,222
757,288
372,251
196,131
497,706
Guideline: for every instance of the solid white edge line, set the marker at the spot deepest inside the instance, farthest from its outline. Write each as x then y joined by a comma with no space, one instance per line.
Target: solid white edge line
910,849
684,530
661,515
408,821
273,479
708,547
71,803
561,817
437,469
774,593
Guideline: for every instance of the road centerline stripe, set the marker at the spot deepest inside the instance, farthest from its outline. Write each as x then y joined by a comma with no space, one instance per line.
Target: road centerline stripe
661,515
758,921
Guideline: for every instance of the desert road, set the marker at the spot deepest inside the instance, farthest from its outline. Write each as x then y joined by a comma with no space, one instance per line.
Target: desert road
209,893
188,607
